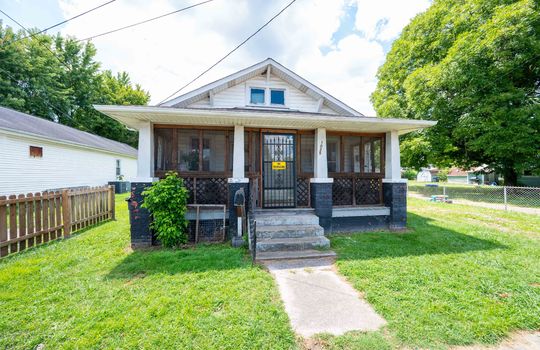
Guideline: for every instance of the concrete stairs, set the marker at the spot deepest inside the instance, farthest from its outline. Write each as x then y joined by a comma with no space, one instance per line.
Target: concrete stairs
290,234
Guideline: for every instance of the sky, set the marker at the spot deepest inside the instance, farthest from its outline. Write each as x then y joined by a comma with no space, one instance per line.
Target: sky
336,44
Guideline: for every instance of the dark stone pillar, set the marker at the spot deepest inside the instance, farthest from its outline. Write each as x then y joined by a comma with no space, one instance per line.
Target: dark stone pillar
395,198
139,218
233,222
321,201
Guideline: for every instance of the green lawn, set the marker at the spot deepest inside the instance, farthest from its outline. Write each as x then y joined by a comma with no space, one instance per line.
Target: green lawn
92,292
461,275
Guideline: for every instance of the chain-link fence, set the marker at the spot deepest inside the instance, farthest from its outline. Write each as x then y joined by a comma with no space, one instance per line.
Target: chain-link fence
524,199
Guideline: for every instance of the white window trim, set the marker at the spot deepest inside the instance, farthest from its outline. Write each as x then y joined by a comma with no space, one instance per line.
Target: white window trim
284,97
257,88
266,97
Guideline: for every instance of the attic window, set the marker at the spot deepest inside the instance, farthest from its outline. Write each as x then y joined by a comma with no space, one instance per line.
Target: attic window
36,152
277,97
257,96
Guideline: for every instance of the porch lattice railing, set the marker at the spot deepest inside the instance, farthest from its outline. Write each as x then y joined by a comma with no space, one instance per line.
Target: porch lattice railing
207,189
355,189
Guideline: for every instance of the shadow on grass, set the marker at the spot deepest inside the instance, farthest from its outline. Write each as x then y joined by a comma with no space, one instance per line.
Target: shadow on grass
423,238
174,261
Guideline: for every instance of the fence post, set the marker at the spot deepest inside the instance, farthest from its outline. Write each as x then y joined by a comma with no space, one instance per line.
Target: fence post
66,213
505,198
111,202
444,191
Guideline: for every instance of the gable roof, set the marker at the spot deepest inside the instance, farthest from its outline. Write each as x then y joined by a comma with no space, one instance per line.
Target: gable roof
17,122
275,68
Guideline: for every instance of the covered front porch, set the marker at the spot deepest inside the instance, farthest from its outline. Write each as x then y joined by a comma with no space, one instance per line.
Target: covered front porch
278,164
345,168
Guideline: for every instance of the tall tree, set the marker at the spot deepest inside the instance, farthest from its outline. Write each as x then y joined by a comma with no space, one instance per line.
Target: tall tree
474,66
58,79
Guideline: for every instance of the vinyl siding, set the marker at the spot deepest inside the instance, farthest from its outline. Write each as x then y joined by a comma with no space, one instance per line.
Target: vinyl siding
237,96
61,166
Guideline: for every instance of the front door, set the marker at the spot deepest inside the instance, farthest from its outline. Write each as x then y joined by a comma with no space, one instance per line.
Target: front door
279,171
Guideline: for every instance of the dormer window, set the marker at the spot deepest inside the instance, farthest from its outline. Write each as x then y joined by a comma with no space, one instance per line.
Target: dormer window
257,96
277,97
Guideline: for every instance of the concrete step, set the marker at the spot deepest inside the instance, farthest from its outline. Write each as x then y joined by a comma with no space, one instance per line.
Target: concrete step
289,244
289,231
286,220
293,255
291,211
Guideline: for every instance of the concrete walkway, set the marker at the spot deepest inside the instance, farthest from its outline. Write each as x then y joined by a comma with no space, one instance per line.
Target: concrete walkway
317,300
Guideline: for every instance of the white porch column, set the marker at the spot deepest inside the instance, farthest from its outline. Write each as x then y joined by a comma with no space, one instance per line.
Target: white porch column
392,158
238,175
145,153
320,163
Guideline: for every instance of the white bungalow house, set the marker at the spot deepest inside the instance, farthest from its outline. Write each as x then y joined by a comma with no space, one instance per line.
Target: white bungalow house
303,157
38,155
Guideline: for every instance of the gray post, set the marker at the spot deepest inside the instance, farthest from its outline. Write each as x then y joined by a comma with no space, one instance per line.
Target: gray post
505,199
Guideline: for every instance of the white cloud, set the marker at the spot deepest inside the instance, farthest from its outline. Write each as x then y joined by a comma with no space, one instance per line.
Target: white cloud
165,54
384,19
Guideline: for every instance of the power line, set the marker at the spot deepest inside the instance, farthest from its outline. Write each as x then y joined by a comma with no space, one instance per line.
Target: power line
230,52
40,42
60,23
145,21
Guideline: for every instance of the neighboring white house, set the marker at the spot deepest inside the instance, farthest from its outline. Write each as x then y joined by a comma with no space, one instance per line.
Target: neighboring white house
424,176
37,155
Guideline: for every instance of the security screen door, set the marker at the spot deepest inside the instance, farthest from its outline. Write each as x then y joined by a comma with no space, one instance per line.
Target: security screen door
279,171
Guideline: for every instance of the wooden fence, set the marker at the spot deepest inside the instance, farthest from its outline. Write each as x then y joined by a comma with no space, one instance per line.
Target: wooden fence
33,219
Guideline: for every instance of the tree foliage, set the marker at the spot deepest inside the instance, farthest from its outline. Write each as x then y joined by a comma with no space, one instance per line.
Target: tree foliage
473,66
167,201
57,78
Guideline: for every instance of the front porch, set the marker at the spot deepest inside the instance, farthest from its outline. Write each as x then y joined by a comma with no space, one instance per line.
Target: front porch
339,174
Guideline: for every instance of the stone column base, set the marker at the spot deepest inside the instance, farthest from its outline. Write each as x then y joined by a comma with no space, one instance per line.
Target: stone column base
321,201
395,198
139,218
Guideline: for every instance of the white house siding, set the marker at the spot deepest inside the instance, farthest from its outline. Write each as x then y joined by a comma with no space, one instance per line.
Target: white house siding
238,96
61,166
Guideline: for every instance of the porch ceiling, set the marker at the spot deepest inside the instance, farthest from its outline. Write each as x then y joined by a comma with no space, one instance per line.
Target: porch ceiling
134,116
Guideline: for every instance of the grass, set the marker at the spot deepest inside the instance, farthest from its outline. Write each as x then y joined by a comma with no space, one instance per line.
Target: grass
92,292
461,275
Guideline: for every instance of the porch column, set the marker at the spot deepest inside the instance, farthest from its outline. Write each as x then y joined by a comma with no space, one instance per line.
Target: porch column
139,218
237,182
394,187
145,153
321,184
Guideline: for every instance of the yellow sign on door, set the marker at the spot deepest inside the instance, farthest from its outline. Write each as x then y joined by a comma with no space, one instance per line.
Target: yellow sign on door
279,165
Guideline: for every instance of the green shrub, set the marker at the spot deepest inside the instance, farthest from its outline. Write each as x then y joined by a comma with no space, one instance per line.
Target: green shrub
167,202
443,175
409,174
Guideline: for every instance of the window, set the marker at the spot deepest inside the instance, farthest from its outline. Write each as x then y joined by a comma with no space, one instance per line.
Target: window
257,96
118,168
307,145
277,97
36,152
333,153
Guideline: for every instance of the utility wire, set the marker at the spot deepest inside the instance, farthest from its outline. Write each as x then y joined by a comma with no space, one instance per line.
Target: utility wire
60,23
145,21
229,53
40,42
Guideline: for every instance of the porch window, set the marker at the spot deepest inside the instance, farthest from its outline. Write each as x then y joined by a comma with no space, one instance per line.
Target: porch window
372,154
307,152
163,149
257,96
333,153
188,150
